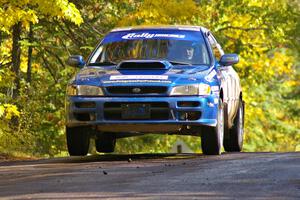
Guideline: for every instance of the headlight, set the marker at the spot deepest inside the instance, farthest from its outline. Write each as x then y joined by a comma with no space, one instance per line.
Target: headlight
196,89
84,90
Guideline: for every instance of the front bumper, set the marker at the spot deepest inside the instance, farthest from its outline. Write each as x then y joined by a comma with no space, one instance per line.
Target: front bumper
177,111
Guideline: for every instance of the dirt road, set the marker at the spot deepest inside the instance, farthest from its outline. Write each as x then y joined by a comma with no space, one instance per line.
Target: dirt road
154,176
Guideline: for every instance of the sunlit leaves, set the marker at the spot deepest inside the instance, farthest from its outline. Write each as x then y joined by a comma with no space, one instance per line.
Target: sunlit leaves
8,111
25,11
162,12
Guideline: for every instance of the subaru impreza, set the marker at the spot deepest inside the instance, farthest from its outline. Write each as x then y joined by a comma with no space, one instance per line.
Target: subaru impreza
162,80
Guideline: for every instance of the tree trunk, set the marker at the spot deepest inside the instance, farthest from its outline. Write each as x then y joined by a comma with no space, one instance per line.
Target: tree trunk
16,57
29,61
1,38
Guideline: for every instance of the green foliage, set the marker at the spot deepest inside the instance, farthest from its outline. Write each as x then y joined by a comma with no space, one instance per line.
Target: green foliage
264,33
25,122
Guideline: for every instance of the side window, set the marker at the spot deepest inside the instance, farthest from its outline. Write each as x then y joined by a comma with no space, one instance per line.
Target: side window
217,49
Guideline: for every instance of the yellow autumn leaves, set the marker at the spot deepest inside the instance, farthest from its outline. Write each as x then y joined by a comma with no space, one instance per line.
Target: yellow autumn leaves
30,11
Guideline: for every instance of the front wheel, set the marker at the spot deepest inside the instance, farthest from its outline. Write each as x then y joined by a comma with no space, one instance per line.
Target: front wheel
78,140
234,141
212,137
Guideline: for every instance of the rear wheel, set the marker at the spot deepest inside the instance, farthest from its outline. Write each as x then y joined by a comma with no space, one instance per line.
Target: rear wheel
105,143
212,138
78,140
234,141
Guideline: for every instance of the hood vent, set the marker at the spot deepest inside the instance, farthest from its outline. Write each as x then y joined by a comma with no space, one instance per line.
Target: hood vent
144,64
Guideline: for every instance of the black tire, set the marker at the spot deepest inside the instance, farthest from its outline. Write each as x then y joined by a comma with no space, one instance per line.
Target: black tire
212,137
105,143
234,140
78,140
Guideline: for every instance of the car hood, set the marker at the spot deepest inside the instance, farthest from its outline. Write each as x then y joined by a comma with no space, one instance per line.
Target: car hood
110,75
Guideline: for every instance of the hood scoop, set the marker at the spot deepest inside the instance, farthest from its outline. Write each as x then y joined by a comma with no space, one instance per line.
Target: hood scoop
144,64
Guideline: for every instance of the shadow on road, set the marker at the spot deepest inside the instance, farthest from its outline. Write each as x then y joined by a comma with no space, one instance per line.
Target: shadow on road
131,157
103,158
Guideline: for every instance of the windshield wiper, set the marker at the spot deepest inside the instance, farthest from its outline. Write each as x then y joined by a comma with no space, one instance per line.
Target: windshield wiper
179,63
102,63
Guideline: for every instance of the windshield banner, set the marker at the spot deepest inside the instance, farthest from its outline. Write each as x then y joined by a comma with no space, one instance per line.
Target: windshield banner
152,34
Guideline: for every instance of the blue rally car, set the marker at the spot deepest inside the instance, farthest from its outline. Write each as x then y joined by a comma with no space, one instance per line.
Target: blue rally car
163,80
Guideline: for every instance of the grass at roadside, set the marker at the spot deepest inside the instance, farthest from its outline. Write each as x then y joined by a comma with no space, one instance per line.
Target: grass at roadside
14,156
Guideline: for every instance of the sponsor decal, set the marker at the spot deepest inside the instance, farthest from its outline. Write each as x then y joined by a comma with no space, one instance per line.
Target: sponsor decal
192,79
210,104
214,88
189,28
216,101
151,35
137,81
126,77
210,76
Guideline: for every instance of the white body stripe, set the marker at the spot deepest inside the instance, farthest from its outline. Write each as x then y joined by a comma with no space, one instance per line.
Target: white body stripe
138,77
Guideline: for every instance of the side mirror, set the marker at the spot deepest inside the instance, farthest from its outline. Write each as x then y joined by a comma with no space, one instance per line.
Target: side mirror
229,59
76,61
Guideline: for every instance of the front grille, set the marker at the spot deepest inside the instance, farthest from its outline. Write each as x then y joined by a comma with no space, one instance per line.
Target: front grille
158,110
137,90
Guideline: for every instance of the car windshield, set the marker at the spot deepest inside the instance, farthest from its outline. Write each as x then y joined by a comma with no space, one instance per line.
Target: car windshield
185,47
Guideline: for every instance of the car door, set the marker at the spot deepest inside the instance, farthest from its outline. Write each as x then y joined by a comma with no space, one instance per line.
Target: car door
229,79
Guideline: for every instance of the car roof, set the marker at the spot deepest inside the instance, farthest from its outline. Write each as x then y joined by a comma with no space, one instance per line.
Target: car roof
163,27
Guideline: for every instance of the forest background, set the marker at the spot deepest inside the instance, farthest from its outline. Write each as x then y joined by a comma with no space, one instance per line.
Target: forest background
37,36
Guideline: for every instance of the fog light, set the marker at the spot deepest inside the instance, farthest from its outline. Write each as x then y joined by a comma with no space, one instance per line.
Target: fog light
183,115
92,116
189,115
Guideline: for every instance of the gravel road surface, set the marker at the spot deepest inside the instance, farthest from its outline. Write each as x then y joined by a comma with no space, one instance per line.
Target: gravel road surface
154,176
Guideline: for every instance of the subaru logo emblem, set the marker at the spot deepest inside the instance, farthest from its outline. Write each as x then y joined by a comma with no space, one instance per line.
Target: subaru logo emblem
136,90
